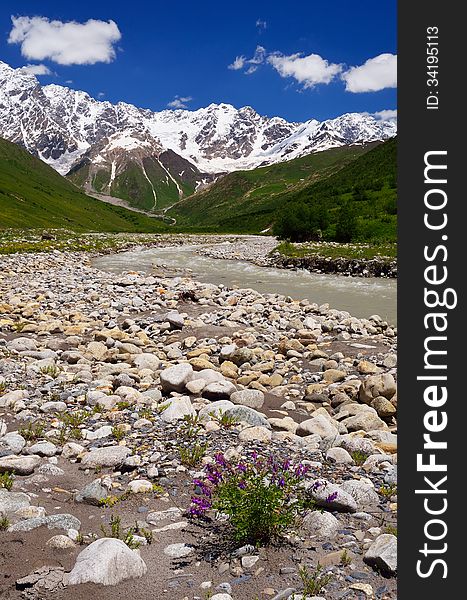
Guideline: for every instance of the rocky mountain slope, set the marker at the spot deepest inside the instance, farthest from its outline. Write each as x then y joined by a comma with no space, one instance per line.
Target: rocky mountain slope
155,158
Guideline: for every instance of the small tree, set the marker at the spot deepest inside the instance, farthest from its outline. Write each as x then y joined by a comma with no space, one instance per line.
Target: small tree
346,226
301,222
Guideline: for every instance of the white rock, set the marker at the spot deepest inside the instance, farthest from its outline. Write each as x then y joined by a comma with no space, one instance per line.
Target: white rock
14,441
256,434
42,449
217,408
101,432
110,456
318,425
22,465
11,398
179,550
107,561
339,456
363,493
62,542
175,378
139,486
251,398
72,450
382,554
322,524
178,408
10,502
219,390
146,361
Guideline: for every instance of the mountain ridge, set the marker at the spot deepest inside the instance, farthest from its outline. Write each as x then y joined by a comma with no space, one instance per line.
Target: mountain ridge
101,143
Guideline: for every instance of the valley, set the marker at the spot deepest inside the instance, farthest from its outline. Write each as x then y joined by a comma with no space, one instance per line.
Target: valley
191,300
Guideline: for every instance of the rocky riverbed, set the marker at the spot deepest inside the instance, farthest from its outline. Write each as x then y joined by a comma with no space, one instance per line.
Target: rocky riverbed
260,251
116,390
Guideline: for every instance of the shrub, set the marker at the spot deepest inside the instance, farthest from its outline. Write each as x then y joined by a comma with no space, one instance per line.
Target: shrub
116,531
6,480
301,222
359,457
32,431
346,226
315,581
118,432
261,496
192,455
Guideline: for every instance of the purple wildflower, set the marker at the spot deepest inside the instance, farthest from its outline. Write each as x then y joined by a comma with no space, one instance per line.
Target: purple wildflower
332,497
220,459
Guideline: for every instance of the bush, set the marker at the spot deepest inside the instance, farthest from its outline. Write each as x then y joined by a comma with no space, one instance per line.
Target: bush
261,496
301,222
6,480
346,226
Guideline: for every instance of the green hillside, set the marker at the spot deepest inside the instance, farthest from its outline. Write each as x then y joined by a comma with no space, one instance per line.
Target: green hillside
247,201
143,183
33,195
360,198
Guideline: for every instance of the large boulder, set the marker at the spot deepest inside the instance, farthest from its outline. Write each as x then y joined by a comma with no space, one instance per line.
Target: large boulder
324,525
252,398
10,502
60,521
377,385
219,390
106,561
319,425
175,378
110,456
177,409
382,554
146,361
20,465
248,415
331,496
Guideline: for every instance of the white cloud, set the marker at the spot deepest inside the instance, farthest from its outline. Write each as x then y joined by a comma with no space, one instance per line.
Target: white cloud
386,115
307,70
101,95
375,74
69,43
261,24
180,102
259,56
37,69
251,70
257,59
238,63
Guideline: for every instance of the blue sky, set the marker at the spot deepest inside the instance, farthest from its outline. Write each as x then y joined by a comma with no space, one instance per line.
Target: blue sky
156,53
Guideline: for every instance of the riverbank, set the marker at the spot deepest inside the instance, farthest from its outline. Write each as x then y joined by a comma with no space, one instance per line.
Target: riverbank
116,389
343,259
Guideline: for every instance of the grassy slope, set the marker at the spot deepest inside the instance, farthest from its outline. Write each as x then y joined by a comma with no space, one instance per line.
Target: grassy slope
33,195
369,184
247,200
132,185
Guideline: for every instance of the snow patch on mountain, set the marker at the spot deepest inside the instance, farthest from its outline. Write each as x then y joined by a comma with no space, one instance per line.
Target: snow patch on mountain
61,126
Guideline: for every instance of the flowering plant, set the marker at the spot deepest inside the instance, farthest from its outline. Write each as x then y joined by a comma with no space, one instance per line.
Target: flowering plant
262,496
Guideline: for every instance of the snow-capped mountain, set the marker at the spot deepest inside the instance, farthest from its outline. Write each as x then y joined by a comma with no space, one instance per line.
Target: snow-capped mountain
101,144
